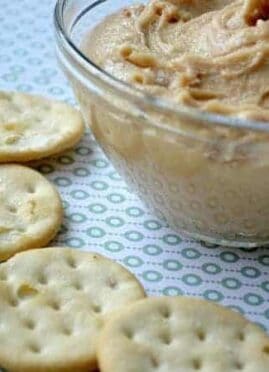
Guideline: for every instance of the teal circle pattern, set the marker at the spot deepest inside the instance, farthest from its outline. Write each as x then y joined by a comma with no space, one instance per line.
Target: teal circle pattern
134,236
134,212
75,242
96,232
192,280
63,181
116,198
152,225
211,268
81,172
253,299
152,276
99,185
172,291
152,250
250,272
79,194
114,246
264,260
115,221
83,151
229,257
46,168
213,295
172,265
133,261
97,208
77,217
191,253
231,283
172,239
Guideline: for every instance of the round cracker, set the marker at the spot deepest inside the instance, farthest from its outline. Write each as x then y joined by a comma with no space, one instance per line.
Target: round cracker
177,334
30,210
33,127
54,302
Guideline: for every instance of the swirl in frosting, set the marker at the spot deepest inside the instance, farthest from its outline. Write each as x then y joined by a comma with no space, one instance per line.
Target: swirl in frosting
208,54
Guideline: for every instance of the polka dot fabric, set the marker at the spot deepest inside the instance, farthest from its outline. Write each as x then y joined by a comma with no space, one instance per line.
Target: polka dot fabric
100,212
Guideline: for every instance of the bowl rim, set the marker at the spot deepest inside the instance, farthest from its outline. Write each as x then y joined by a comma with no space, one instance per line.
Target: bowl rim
130,91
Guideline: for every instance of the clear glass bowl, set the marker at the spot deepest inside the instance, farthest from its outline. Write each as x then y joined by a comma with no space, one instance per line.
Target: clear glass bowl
190,167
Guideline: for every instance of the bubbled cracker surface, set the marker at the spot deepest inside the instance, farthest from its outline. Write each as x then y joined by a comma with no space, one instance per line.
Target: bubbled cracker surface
33,127
182,335
30,210
54,303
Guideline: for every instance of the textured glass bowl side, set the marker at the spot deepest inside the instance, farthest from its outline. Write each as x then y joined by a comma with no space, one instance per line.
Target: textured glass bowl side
202,182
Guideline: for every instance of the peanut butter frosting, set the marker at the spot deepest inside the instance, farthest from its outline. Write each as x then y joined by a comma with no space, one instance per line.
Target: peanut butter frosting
208,54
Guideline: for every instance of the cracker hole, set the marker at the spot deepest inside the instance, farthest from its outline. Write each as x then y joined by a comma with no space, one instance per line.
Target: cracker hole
55,305
165,313
18,109
42,279
112,283
26,291
13,302
30,324
128,333
67,331
197,364
266,349
34,348
30,189
166,338
241,336
239,365
201,334
78,286
10,127
3,276
97,308
71,262
155,362
11,139
12,209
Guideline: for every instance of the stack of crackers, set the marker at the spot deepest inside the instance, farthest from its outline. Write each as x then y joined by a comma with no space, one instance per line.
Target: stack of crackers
31,128
68,310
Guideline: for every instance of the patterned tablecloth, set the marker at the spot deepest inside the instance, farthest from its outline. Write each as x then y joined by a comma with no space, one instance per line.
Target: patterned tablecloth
100,212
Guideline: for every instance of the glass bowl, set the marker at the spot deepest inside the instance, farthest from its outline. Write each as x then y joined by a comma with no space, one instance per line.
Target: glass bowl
206,174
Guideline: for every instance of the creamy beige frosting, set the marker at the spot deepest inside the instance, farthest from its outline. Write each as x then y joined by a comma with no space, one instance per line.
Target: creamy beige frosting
208,54
209,181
